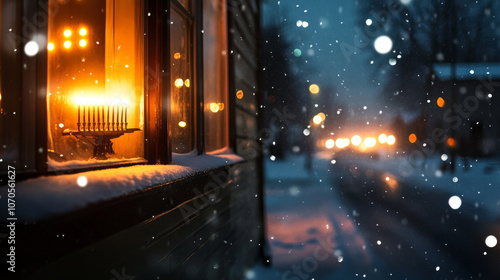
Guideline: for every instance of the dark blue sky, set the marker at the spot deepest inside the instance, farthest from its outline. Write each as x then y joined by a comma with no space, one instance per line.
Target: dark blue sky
326,43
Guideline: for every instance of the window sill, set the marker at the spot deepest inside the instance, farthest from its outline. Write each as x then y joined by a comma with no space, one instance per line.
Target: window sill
43,197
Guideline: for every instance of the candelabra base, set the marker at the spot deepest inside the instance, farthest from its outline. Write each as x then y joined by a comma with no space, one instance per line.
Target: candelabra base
101,140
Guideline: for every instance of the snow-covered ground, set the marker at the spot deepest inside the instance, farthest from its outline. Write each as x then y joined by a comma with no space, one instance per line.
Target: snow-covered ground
477,185
304,211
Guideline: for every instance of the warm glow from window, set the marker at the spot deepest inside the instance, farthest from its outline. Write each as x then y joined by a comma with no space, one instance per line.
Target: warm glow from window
440,102
109,97
182,124
178,83
239,94
382,138
451,142
370,142
391,140
330,143
83,31
314,89
412,138
356,140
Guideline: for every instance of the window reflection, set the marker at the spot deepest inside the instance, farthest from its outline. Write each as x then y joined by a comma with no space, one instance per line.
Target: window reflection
215,73
186,4
95,68
181,83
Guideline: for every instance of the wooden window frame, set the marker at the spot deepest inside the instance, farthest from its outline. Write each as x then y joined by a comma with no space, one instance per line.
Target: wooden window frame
27,87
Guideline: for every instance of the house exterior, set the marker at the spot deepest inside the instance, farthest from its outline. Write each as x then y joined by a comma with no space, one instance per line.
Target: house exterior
464,104
129,138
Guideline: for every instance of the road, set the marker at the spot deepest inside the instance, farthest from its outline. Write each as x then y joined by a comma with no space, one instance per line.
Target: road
350,223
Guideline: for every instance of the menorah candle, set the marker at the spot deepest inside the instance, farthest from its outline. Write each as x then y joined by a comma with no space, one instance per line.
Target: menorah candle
88,116
98,117
83,117
125,117
108,117
78,124
113,118
102,117
121,117
93,117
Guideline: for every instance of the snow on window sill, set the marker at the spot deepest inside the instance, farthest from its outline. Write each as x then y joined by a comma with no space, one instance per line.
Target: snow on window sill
43,197
76,164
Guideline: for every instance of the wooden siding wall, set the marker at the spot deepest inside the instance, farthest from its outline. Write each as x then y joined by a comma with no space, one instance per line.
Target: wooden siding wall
200,236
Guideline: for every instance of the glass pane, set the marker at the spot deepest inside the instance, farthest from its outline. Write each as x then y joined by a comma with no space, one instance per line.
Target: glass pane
186,4
95,81
215,73
181,84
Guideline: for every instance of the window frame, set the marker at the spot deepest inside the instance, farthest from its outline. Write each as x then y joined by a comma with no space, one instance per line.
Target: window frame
29,77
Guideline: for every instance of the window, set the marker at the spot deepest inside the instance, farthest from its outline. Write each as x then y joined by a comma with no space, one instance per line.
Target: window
215,74
182,93
95,98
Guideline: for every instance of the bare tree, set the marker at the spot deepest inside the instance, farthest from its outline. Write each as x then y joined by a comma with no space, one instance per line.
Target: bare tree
426,32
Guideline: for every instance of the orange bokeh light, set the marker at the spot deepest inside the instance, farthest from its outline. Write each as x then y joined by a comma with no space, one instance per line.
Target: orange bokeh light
451,142
412,138
440,102
239,94
314,89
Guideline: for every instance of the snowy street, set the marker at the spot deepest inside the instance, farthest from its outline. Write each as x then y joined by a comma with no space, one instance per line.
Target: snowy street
360,218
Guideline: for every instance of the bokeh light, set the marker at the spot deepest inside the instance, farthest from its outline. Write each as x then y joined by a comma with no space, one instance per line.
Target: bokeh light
317,119
330,143
383,44
391,139
340,143
455,202
82,181
50,46
356,140
214,107
31,48
369,142
382,138
451,142
412,138
83,31
314,89
178,83
491,241
440,102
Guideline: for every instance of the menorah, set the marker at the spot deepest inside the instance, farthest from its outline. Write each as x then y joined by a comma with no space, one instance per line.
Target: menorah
101,133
